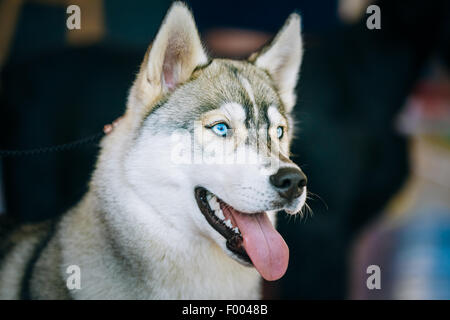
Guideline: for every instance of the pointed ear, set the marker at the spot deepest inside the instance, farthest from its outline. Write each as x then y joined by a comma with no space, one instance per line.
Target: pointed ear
282,59
171,58
177,49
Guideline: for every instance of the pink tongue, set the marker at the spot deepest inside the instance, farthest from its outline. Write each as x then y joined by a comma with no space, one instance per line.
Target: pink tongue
263,244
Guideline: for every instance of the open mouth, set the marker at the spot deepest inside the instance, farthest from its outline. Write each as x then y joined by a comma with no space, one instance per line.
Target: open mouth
250,236
211,207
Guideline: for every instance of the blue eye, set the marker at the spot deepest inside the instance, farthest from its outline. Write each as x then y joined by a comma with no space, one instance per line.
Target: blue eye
221,129
280,132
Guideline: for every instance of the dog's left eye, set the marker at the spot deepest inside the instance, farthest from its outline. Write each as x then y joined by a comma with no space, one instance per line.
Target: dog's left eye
280,132
221,129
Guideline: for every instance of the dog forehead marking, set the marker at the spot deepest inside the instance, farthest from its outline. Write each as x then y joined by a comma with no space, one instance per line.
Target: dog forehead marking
234,110
248,88
275,115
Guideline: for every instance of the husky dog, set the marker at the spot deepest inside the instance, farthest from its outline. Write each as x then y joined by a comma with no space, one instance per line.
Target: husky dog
153,227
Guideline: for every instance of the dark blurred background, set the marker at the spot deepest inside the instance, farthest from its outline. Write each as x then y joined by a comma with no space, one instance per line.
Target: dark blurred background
372,104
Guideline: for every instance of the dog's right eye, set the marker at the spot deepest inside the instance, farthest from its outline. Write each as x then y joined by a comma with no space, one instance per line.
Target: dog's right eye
221,129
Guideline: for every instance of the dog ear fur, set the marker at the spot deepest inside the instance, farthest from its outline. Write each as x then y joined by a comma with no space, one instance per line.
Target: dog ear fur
170,59
282,59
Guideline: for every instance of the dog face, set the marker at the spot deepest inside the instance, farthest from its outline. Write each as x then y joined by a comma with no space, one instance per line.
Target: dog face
211,145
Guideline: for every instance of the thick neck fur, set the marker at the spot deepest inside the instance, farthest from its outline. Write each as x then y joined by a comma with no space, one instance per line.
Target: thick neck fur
137,252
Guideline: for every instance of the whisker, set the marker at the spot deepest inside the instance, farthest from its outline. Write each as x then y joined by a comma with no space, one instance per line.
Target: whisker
316,197
311,213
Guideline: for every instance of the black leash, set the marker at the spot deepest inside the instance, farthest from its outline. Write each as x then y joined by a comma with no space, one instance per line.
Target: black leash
51,149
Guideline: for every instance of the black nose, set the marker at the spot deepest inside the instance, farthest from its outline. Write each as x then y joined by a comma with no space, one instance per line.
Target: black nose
289,182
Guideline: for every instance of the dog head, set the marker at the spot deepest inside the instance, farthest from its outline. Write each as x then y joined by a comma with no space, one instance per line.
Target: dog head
210,147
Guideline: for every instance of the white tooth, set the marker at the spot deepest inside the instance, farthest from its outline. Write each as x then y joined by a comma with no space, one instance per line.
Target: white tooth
212,202
228,223
219,214
236,230
215,205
